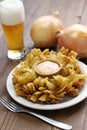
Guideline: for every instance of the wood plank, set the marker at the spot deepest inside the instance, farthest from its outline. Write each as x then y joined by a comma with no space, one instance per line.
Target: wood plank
23,122
70,13
74,115
83,19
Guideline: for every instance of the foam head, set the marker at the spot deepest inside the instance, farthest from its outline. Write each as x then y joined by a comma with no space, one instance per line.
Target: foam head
11,12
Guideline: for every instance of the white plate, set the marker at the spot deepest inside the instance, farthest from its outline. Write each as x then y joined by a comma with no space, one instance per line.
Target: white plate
70,102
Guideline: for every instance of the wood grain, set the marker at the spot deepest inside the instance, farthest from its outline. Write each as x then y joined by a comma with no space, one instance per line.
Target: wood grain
71,11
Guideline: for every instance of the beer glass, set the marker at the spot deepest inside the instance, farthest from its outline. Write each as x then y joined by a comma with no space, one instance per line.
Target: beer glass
12,18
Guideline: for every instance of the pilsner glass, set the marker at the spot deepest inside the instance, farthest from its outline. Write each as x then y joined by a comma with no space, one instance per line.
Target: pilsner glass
12,18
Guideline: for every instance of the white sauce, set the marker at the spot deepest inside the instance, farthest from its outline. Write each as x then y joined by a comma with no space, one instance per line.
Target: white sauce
47,67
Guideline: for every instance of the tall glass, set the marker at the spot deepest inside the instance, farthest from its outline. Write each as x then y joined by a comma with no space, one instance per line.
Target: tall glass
12,18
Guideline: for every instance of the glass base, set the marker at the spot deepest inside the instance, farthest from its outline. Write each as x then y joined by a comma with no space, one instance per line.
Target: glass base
16,54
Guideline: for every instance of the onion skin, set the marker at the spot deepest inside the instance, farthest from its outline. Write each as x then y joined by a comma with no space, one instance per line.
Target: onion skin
43,30
74,38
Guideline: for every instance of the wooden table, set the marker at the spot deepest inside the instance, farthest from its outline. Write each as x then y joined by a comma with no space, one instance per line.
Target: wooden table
71,11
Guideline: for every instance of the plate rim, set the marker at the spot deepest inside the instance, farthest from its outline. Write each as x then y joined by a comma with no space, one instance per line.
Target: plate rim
82,95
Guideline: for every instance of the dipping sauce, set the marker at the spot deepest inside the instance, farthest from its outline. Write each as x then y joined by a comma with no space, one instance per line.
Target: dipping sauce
47,67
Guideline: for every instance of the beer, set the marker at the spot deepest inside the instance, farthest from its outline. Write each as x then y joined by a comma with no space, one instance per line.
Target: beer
14,36
12,20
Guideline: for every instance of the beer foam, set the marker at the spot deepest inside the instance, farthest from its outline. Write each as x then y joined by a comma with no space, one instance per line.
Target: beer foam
11,12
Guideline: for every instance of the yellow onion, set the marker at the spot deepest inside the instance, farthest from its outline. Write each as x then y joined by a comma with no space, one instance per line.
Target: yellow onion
74,38
43,30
